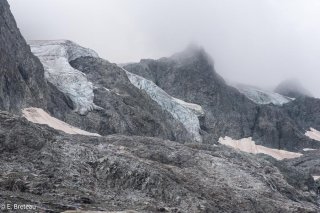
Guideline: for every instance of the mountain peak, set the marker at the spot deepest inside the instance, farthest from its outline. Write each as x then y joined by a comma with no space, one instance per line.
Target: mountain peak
292,88
192,53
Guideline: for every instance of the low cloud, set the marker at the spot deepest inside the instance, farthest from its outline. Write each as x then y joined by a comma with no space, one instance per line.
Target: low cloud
254,42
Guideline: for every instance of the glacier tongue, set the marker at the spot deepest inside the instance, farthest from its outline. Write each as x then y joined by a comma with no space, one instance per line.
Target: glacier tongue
186,113
55,57
260,96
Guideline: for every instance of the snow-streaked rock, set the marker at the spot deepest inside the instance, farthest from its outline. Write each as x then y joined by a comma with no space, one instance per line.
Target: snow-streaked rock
260,96
39,116
248,145
55,57
313,134
186,113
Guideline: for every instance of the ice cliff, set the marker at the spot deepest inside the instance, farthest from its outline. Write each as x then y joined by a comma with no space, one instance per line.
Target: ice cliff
55,57
260,96
186,113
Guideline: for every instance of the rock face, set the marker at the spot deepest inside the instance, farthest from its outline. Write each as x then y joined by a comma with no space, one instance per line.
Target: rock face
190,76
292,88
125,109
305,111
58,172
22,81
308,163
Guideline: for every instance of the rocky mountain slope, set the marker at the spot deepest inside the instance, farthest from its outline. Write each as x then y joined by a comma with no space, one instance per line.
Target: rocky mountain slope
84,134
125,109
305,111
59,172
21,79
190,76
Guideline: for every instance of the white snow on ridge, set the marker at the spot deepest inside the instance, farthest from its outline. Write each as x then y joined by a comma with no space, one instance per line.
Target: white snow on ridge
39,116
186,113
313,134
55,57
308,149
260,96
248,145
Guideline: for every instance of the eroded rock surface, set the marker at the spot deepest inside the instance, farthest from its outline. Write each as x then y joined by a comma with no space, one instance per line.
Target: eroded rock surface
58,172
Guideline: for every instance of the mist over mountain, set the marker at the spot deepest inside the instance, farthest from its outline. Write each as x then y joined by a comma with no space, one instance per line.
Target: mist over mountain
292,88
81,134
259,43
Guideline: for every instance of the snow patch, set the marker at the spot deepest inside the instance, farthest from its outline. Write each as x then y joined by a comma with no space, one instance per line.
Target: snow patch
260,96
55,57
313,134
316,177
39,116
248,145
308,149
186,113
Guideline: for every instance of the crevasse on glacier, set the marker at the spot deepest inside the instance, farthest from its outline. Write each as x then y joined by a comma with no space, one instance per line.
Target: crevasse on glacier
55,57
186,113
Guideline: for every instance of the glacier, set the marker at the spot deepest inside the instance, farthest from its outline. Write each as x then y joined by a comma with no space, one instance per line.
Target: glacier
261,96
186,113
55,56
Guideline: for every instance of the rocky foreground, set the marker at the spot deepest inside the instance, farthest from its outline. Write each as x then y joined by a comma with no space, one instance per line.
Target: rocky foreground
59,172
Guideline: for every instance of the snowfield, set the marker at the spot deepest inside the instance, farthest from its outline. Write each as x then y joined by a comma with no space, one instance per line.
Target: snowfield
313,134
55,57
39,116
186,113
248,145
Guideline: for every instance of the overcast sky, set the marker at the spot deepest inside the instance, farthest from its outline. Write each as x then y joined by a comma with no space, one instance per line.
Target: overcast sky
258,42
